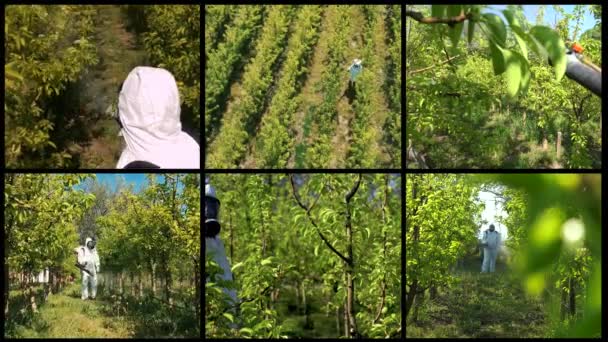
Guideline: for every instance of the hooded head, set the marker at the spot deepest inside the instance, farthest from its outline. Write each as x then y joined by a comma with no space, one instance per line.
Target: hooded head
491,227
90,245
149,112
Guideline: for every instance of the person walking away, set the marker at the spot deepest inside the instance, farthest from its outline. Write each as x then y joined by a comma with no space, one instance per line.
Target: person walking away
491,243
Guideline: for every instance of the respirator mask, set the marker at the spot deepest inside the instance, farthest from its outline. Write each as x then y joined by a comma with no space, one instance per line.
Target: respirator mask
212,210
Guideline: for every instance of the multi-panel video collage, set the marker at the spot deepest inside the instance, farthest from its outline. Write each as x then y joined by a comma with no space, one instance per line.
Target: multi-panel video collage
331,211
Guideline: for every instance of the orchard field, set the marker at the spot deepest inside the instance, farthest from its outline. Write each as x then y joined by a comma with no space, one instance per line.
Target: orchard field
482,93
64,65
276,86
147,229
547,282
313,256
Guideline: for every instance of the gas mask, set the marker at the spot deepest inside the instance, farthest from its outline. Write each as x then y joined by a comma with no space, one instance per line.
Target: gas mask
91,244
212,210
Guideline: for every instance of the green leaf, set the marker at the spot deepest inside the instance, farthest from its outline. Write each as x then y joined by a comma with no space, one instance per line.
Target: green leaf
517,32
514,72
267,261
438,10
521,38
553,45
497,27
544,240
228,316
498,58
525,77
456,31
246,331
240,264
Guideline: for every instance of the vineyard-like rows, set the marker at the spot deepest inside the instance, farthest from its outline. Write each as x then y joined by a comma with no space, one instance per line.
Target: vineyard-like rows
276,86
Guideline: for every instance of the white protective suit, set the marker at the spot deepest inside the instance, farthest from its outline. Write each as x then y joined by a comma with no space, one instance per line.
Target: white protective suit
215,248
149,111
90,259
490,250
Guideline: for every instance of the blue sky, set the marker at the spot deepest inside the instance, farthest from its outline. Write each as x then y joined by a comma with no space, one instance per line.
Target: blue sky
137,179
491,213
530,11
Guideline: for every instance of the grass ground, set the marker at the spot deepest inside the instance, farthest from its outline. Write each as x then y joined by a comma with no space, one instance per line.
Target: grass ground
481,306
66,315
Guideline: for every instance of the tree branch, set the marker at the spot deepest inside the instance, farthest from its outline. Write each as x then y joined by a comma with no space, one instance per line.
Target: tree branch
311,219
432,66
419,17
352,191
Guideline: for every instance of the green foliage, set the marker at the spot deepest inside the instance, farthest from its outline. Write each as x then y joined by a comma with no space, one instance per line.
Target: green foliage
280,262
156,231
554,47
222,62
441,220
551,263
276,137
460,116
43,55
40,214
538,207
173,42
229,147
276,86
318,151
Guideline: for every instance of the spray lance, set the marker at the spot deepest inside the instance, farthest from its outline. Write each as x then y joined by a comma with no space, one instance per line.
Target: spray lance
79,265
581,70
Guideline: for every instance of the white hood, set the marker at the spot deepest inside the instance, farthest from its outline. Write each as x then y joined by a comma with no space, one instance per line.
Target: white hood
149,111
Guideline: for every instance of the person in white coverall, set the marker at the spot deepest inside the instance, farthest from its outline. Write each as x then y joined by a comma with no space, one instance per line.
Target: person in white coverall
213,244
491,243
88,257
149,116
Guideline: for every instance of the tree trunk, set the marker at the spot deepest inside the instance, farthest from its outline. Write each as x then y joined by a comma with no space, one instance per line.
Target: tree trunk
303,297
345,321
572,304
153,277
298,296
197,286
559,145
132,282
417,305
6,284
140,285
433,292
337,321
168,282
563,304
350,266
384,221
545,142
410,296
231,230
32,297
120,283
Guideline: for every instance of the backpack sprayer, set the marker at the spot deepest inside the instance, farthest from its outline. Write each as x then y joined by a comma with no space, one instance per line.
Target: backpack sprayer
581,70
